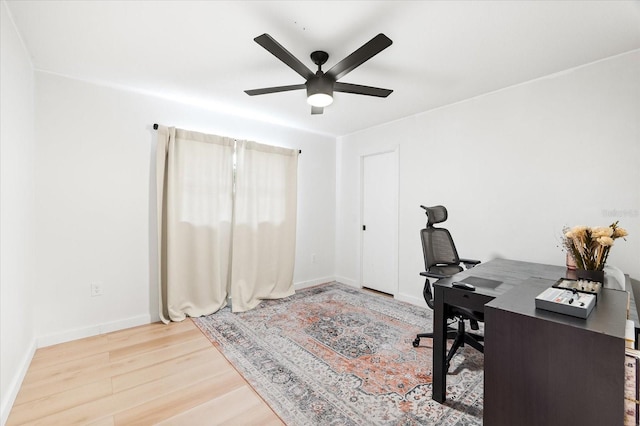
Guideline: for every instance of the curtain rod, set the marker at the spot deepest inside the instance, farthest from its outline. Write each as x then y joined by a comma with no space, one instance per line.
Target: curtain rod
155,127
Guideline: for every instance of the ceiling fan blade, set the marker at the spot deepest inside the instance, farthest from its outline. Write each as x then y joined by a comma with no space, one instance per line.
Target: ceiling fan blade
361,55
267,90
316,110
276,49
361,90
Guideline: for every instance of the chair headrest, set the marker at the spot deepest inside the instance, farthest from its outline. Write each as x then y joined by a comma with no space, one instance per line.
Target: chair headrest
436,214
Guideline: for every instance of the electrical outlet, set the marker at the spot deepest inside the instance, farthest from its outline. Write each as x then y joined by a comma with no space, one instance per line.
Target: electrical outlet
96,289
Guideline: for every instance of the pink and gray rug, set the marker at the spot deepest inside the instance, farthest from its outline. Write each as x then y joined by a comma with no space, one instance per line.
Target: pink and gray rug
336,355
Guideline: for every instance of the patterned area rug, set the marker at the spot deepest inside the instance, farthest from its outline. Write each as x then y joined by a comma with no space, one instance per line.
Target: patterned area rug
336,355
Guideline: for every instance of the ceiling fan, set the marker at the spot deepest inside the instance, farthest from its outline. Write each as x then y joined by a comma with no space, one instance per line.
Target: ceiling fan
321,85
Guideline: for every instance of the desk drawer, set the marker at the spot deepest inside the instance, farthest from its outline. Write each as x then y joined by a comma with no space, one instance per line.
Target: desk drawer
466,299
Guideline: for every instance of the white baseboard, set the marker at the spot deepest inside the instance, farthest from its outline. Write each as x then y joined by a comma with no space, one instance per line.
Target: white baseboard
94,330
348,281
12,391
311,283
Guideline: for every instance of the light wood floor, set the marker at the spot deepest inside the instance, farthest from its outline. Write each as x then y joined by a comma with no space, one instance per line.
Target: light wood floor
153,374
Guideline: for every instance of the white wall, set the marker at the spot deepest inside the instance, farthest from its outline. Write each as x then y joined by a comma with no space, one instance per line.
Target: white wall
95,219
17,261
513,168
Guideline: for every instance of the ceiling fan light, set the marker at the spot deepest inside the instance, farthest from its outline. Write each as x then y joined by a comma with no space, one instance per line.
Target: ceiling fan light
319,91
319,100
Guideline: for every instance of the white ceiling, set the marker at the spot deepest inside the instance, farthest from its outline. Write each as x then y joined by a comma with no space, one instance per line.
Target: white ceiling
203,51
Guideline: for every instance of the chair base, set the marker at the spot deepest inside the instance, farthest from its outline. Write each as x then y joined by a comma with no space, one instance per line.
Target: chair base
460,338
451,334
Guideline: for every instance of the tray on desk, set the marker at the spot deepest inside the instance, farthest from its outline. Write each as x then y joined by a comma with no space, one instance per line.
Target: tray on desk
582,286
566,301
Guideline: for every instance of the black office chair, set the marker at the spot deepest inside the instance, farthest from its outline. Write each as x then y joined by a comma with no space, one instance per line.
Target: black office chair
441,261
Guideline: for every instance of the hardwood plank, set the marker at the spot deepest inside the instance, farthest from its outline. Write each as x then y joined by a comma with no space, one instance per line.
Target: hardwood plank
180,400
76,349
96,367
121,401
107,421
153,329
60,377
158,355
38,392
98,410
154,344
62,370
142,375
242,402
38,385
42,407
169,367
137,335
64,352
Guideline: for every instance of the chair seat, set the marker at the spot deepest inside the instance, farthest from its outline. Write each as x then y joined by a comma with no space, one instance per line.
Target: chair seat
446,270
467,314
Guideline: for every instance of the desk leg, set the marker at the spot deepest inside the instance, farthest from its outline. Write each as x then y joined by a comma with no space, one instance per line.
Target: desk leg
439,379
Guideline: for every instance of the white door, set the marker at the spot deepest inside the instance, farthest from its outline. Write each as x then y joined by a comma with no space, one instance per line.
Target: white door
380,222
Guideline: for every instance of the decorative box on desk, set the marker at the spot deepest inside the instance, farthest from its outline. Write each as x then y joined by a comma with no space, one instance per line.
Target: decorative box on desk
567,302
583,286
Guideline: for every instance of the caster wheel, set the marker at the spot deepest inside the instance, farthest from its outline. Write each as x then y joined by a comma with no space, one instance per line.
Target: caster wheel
416,343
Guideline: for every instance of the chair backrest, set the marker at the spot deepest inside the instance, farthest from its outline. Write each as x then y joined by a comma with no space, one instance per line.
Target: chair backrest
440,255
438,248
437,245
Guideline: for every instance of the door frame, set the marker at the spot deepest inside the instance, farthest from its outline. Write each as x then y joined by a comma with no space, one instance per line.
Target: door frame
395,224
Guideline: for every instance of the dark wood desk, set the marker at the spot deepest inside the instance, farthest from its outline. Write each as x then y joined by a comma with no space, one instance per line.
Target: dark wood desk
525,347
509,273
545,368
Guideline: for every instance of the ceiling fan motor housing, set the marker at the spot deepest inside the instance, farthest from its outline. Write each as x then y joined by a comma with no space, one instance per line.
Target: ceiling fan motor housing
320,90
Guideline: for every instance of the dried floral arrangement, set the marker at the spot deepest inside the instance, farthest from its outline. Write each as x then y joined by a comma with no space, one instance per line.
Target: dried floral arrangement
590,246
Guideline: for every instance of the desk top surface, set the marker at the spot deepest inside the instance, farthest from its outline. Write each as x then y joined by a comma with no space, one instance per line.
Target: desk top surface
509,273
512,273
608,316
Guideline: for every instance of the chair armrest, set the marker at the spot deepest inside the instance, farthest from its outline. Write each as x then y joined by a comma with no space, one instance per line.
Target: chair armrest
469,263
434,275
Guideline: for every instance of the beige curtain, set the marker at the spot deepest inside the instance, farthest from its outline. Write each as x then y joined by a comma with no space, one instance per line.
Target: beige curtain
264,232
195,200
